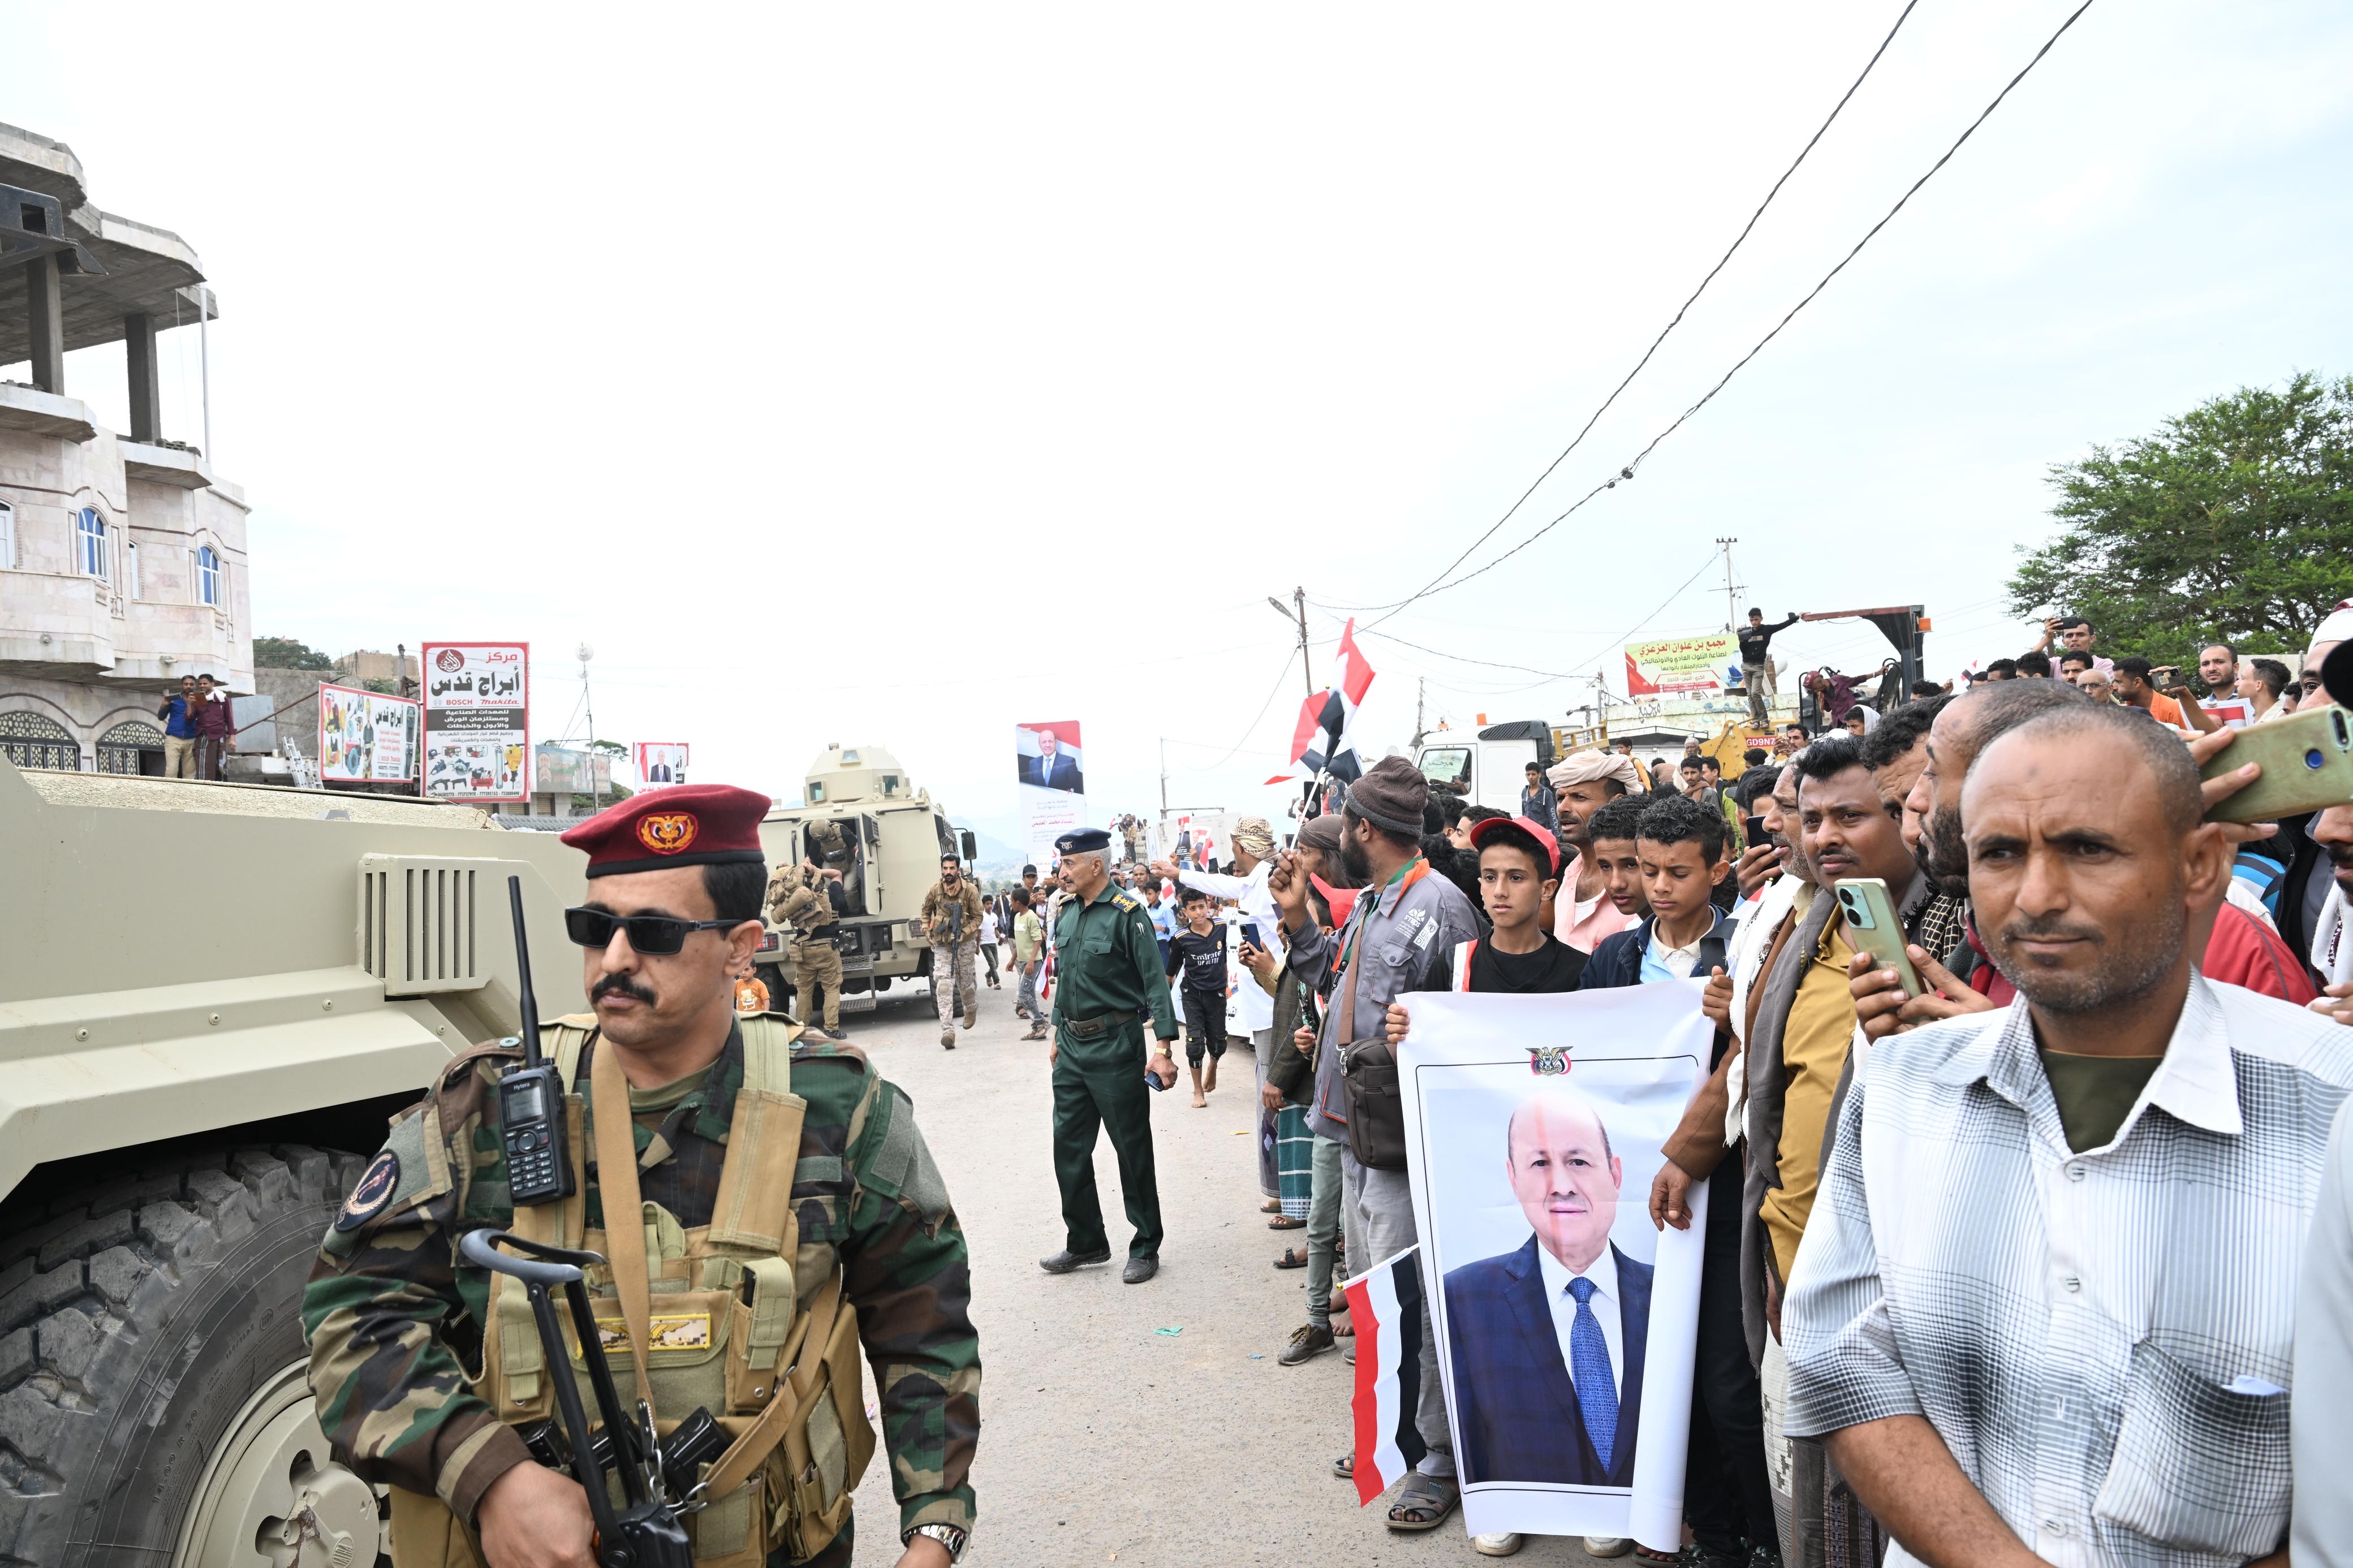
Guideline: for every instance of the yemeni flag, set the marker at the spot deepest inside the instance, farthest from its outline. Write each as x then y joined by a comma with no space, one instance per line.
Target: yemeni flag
1384,1304
1325,737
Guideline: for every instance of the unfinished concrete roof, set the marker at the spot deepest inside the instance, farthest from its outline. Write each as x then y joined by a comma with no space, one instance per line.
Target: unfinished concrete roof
148,269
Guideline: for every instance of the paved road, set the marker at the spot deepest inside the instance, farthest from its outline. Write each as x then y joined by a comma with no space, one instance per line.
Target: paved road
1101,1439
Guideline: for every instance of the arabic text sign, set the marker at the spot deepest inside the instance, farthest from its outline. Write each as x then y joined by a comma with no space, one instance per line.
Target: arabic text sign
1681,666
366,737
478,720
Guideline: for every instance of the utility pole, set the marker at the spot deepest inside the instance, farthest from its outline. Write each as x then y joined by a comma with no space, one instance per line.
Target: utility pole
1297,613
1163,781
1730,589
1420,685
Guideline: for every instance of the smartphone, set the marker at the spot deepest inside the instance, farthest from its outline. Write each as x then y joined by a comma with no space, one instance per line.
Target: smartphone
1752,829
2308,761
1871,927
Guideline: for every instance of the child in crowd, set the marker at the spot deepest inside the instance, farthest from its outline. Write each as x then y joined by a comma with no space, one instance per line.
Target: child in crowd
1198,952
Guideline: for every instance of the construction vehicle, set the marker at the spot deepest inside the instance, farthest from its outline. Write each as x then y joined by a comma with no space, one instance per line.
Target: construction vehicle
892,837
213,996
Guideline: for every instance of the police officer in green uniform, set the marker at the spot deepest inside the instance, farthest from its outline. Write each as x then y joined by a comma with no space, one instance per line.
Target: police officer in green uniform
1107,975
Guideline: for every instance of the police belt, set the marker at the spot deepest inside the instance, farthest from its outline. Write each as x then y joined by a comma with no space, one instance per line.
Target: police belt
1096,1027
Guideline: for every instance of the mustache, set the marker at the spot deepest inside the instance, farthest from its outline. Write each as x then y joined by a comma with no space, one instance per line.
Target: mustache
619,985
2046,929
2339,854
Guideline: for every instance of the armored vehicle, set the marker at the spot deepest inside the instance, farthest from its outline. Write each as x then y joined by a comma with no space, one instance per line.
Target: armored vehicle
891,838
212,997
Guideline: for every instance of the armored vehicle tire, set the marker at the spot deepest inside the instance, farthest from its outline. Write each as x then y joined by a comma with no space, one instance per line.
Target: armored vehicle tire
152,1405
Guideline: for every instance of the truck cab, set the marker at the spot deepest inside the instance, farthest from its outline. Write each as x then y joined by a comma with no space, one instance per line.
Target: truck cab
1487,766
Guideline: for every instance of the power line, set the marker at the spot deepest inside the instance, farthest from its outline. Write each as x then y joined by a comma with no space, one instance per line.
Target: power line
1628,471
1746,229
1278,677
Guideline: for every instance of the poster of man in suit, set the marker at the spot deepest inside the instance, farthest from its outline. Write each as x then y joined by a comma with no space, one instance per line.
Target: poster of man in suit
1566,1319
1048,756
660,763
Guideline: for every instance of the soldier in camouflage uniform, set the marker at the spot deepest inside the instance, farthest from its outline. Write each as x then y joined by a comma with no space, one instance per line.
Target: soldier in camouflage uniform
951,921
799,898
415,1388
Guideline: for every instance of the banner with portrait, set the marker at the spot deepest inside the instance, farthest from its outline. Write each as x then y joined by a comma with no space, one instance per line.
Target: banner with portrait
1051,771
1565,1321
660,763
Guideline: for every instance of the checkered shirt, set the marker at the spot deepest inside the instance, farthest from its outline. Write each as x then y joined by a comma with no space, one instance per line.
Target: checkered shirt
2102,1338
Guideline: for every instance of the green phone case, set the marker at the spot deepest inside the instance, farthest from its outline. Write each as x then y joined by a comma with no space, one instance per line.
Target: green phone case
1871,927
2308,761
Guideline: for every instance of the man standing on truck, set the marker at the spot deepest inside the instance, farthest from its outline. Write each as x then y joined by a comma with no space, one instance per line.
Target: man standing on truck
801,896
951,923
737,1126
1757,662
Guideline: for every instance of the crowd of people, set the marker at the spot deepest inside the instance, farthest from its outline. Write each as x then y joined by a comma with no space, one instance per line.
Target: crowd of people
2027,1290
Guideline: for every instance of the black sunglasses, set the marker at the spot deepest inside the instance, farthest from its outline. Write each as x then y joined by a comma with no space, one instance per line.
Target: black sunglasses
659,935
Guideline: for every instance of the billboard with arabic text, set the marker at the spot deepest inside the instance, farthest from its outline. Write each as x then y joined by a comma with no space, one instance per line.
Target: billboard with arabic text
1682,667
477,721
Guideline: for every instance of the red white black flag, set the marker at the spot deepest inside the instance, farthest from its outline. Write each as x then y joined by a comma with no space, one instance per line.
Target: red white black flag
1385,1306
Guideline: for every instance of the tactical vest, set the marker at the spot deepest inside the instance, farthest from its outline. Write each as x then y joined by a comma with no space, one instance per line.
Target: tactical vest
706,1317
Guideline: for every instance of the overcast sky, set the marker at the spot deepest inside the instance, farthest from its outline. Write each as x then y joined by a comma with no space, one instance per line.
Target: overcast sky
890,376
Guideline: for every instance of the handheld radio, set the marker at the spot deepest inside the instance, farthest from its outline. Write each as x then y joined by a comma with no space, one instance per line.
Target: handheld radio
530,1097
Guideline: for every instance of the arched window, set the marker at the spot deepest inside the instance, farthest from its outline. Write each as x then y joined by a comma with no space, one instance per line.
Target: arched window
89,531
7,535
119,748
30,741
209,576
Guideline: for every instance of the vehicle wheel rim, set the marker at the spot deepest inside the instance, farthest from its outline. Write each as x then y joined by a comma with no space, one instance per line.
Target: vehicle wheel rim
272,1495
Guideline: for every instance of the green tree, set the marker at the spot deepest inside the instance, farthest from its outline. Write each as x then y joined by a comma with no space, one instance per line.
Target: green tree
289,653
2234,523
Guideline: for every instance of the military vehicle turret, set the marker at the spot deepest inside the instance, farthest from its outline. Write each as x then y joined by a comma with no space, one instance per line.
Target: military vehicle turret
864,814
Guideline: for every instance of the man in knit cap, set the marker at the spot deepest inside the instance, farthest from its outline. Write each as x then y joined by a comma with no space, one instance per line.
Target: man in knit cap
1403,915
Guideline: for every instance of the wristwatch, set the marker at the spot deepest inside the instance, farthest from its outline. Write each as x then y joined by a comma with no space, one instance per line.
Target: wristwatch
947,1535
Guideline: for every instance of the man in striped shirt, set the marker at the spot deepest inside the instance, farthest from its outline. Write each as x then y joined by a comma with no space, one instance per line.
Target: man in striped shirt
2045,1306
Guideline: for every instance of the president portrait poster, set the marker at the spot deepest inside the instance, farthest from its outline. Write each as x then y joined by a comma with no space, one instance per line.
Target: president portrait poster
1565,1321
1051,768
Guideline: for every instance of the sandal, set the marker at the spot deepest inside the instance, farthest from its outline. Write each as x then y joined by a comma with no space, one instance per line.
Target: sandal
1432,1497
1345,1466
1292,1258
1284,1222
1272,1205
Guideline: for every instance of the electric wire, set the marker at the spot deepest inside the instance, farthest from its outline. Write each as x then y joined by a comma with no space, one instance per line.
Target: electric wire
1279,677
1629,469
1680,311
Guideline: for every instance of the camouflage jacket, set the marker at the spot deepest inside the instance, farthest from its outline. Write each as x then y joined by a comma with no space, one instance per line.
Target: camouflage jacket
952,918
796,898
395,1322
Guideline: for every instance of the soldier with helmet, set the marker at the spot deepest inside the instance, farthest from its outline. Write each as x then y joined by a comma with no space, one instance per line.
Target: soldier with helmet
802,897
790,1212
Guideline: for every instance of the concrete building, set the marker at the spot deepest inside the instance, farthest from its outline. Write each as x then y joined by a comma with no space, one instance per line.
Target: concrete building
122,556
365,666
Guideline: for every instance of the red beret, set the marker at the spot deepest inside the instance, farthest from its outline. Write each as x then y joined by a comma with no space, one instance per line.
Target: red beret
691,825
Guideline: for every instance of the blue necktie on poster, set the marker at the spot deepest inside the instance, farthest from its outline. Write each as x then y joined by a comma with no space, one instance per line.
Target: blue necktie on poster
1588,1355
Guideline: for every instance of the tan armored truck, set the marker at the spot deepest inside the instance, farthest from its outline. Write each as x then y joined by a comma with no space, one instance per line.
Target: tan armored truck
886,838
212,997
